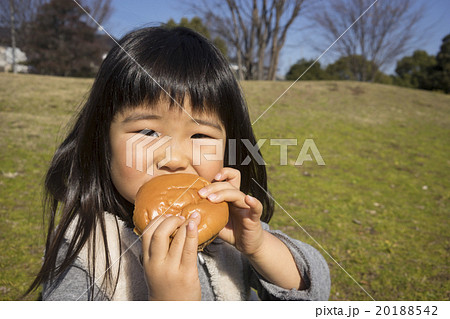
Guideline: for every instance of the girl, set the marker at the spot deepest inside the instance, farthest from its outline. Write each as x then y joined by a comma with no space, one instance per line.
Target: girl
173,84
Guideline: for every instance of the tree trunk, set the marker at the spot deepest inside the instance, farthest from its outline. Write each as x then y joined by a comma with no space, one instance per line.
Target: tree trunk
274,50
263,38
13,35
237,42
256,29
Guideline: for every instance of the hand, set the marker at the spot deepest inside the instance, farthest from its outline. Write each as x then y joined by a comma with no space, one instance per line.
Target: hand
269,256
244,229
171,268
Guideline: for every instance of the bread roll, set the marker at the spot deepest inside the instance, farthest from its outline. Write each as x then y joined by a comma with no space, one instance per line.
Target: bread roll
177,194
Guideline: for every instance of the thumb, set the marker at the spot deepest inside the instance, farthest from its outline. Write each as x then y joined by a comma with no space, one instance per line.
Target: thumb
256,207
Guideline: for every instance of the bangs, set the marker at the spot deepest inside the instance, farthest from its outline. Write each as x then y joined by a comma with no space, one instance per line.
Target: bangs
151,65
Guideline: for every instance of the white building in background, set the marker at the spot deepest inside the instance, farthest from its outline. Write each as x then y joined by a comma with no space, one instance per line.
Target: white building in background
6,59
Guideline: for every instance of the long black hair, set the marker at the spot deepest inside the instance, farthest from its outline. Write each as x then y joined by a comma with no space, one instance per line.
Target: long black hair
145,66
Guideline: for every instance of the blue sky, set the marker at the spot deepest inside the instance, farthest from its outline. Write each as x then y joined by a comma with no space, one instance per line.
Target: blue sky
132,14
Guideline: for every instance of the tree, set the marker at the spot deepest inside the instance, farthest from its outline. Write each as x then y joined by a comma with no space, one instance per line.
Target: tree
197,25
425,71
17,16
354,68
383,33
100,10
255,31
414,71
440,74
14,14
63,43
13,34
315,72
20,12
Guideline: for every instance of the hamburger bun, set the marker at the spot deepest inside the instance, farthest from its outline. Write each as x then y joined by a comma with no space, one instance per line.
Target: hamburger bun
177,194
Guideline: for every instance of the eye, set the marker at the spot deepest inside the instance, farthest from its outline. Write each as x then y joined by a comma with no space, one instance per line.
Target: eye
201,136
149,133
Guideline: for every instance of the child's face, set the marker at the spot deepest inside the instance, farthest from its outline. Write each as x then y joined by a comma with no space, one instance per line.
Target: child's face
174,144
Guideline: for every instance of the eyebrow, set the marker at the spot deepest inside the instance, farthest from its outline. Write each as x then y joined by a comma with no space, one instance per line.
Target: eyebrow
145,116
207,123
140,116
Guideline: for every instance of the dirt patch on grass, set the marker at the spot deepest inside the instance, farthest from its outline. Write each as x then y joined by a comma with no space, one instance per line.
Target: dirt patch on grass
356,90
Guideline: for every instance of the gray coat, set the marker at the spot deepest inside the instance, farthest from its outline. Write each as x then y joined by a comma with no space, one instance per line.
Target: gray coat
224,273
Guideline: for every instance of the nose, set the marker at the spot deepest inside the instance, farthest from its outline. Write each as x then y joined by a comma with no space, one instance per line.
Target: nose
172,157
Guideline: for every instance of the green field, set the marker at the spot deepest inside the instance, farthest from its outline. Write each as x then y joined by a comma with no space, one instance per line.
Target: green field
379,207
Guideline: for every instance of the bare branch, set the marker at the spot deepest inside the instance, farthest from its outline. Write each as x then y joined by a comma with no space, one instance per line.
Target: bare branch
380,36
251,27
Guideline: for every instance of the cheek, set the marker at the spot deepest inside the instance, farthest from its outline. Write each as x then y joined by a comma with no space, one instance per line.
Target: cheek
118,159
126,179
210,170
205,151
208,160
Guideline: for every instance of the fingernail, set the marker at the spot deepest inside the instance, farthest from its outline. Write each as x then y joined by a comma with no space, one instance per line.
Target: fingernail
212,196
203,191
218,176
194,215
191,225
168,215
182,217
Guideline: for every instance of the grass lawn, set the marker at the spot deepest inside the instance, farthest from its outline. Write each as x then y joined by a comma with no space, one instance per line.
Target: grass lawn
379,207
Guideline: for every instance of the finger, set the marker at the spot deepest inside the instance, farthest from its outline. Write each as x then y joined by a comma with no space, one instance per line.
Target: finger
176,247
189,256
234,196
256,207
160,241
147,234
231,175
214,187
